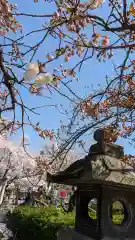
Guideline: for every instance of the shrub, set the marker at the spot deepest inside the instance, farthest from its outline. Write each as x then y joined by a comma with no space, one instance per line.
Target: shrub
31,223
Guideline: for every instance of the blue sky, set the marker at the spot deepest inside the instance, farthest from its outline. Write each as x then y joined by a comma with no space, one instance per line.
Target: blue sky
92,73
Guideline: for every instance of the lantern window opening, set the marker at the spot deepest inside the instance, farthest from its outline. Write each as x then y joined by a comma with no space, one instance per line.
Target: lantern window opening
119,213
92,208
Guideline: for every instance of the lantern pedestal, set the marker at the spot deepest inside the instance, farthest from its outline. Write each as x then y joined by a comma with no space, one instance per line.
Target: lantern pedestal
71,234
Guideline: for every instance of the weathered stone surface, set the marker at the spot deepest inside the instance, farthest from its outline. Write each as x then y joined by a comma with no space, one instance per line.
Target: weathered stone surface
70,234
111,169
102,165
97,168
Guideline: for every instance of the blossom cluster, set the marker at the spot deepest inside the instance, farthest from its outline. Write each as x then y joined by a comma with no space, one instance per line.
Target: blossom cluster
7,20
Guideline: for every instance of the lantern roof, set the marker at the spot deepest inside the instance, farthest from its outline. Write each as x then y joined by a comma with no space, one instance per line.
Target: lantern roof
103,165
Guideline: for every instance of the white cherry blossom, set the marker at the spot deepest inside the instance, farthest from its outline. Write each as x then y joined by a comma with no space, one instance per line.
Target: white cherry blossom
31,72
95,3
15,163
43,79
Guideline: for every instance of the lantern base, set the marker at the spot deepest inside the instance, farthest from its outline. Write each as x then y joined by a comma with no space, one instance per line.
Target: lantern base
71,234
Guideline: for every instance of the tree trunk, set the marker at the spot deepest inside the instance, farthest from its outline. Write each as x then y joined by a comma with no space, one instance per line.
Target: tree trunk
3,186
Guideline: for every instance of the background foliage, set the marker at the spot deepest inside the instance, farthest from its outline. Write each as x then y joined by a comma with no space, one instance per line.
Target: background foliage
32,223
39,223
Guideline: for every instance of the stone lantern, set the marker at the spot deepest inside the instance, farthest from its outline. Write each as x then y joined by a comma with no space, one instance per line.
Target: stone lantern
101,178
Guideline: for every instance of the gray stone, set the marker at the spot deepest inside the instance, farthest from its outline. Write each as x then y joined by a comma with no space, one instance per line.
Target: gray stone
70,234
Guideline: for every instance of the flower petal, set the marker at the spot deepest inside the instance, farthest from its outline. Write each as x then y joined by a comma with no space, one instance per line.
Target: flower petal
29,75
33,67
44,79
95,3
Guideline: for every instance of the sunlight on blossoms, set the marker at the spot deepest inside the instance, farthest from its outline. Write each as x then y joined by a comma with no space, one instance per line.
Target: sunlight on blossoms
44,79
95,3
91,4
14,157
31,72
